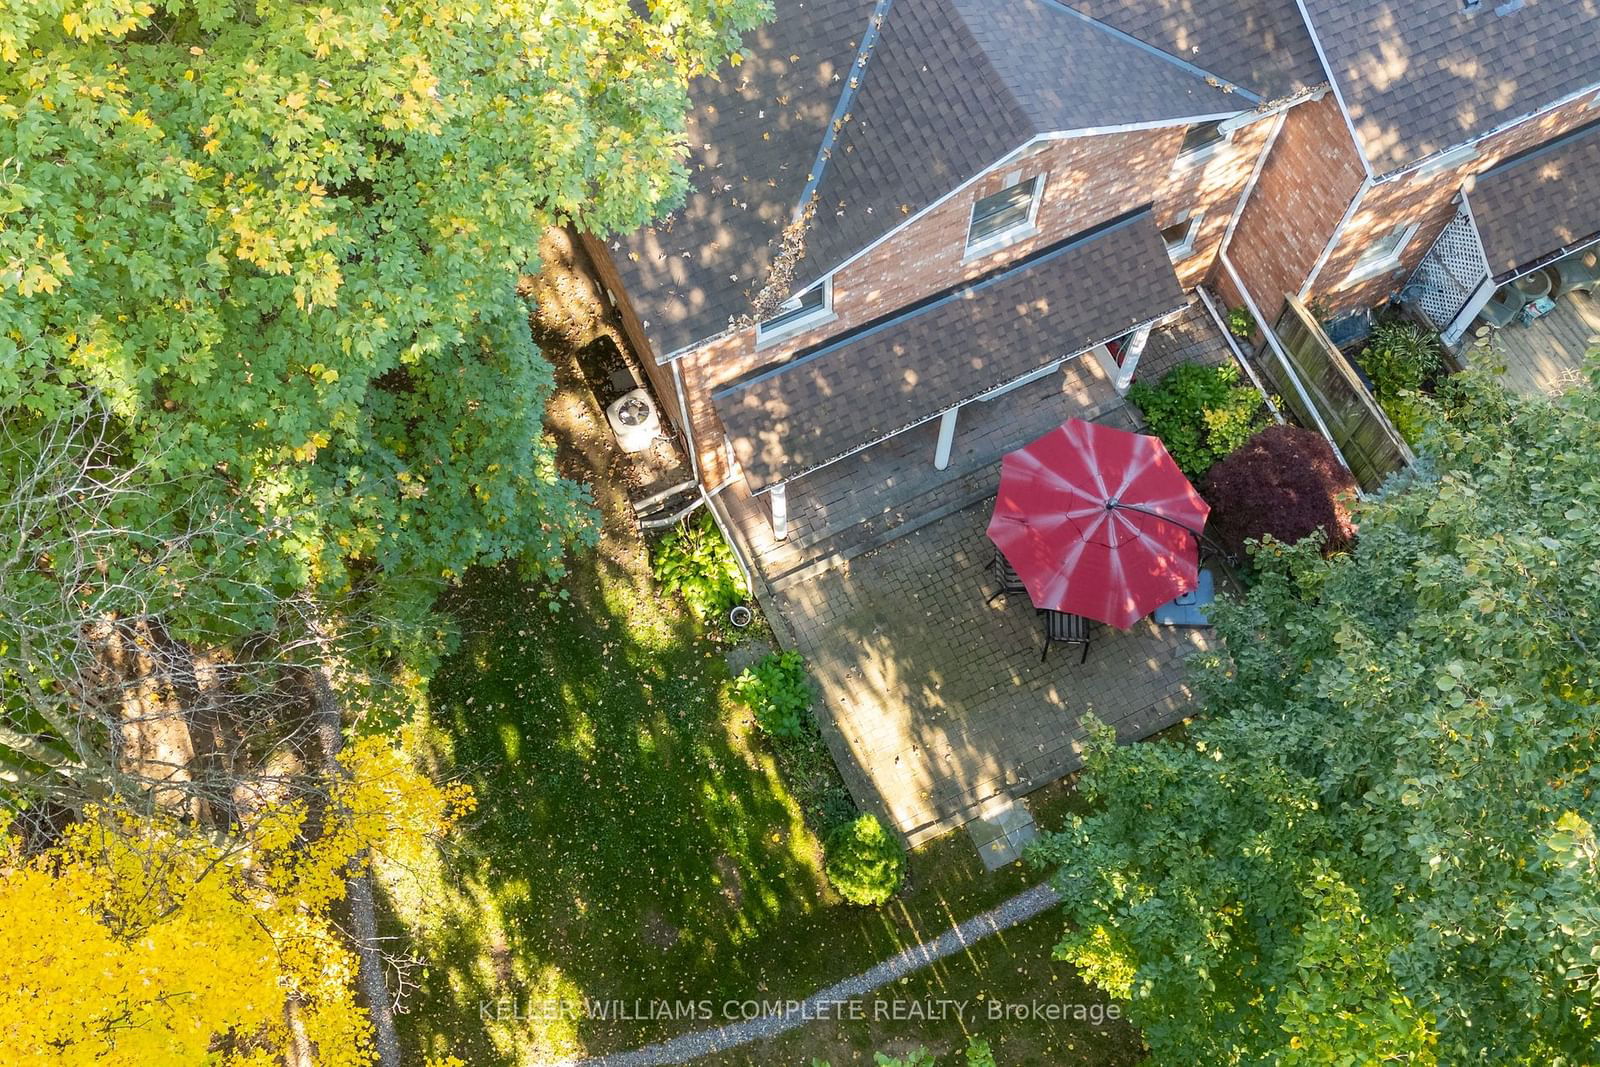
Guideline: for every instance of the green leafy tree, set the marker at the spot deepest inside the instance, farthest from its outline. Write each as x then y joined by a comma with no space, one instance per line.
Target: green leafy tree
1379,845
280,243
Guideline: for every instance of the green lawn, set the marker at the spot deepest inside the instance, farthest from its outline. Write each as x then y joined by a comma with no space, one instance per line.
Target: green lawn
630,838
634,843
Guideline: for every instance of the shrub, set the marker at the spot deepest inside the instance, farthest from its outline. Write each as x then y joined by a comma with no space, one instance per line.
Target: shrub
1241,323
1401,358
1201,413
694,561
865,862
776,690
1285,482
979,1054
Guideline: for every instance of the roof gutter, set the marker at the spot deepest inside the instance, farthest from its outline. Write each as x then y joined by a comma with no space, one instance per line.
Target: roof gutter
1395,175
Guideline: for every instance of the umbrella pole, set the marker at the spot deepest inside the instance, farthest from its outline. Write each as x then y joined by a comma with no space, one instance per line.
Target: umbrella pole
1200,539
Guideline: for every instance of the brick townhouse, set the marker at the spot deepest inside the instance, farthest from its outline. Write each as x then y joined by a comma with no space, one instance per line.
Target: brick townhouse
921,230
1481,116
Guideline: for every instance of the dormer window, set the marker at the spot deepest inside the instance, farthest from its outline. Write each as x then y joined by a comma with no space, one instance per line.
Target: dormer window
1384,254
799,312
1004,217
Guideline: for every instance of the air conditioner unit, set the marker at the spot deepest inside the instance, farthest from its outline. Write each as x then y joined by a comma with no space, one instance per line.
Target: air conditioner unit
633,420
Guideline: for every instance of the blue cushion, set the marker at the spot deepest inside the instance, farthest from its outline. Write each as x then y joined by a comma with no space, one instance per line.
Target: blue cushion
1190,608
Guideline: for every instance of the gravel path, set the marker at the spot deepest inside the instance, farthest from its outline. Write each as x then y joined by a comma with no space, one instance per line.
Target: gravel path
1018,909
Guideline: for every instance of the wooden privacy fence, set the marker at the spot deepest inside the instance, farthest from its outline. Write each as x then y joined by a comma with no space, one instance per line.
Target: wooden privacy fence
1319,377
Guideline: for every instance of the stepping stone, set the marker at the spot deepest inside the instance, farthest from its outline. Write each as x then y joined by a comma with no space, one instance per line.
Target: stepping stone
1003,828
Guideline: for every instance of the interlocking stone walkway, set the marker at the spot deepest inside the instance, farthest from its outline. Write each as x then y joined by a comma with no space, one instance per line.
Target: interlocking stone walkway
939,699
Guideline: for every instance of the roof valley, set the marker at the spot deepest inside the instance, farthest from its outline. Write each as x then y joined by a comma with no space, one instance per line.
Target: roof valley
841,110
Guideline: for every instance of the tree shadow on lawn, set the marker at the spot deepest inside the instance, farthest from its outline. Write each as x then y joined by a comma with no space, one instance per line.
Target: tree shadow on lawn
629,834
633,841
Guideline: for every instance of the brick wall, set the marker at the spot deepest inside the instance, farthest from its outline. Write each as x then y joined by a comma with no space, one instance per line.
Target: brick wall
1304,189
1429,200
1087,180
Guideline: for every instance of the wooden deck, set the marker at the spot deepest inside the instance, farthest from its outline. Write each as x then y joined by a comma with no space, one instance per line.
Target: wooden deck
1545,357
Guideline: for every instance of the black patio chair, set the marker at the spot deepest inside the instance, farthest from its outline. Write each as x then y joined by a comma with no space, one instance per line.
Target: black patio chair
1010,581
1062,628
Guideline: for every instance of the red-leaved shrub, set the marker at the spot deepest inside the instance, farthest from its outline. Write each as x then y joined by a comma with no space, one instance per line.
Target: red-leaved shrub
1286,482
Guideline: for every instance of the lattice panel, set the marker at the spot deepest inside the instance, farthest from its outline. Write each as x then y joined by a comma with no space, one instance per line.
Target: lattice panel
1450,273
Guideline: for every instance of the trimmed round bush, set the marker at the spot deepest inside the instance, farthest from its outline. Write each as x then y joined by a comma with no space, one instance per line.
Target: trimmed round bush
1286,482
865,861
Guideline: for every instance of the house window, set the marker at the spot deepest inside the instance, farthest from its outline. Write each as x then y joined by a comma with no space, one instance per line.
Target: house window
1383,255
997,218
1202,141
1180,235
807,309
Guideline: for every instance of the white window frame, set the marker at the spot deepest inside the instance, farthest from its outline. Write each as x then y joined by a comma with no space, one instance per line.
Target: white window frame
1367,268
1196,156
1185,248
1012,234
816,317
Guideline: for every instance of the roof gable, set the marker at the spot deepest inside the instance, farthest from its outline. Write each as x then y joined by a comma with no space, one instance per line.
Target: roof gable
1421,76
956,85
945,91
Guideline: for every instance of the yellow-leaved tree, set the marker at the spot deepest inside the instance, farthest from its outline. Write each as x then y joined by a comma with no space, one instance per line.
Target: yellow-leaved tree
132,942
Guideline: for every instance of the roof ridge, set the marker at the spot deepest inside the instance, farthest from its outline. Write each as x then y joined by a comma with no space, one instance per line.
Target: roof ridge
1214,80
841,110
996,79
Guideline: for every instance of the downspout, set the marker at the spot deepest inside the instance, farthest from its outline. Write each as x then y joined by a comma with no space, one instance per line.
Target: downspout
1222,251
705,497
1238,355
1283,358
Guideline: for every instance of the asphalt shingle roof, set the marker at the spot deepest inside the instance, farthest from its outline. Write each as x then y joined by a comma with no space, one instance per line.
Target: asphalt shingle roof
752,137
1539,203
951,86
950,348
1260,44
1421,76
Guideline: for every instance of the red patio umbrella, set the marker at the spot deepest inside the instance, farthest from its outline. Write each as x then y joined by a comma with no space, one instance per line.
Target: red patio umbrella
1098,522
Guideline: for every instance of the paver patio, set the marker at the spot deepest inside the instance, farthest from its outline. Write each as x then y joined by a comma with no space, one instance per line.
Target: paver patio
940,699
934,701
